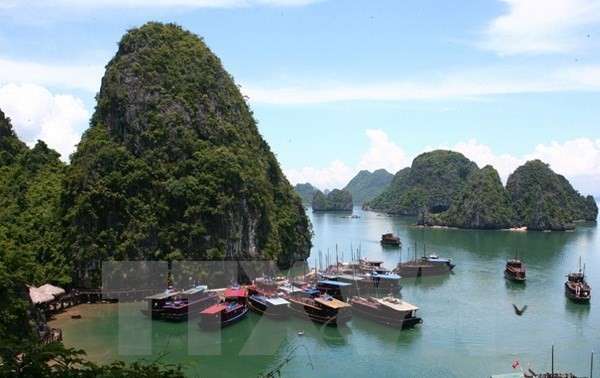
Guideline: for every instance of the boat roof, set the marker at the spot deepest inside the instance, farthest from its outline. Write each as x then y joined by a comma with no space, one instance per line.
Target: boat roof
331,302
276,301
508,375
397,304
215,309
334,283
388,276
164,295
235,291
194,290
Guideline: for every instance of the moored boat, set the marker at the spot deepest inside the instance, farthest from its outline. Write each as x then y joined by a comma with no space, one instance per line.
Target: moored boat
514,270
230,310
419,268
389,311
325,309
434,258
157,302
187,304
338,289
390,239
264,299
576,288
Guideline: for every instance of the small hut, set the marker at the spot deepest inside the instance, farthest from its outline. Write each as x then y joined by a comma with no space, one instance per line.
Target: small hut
39,297
46,296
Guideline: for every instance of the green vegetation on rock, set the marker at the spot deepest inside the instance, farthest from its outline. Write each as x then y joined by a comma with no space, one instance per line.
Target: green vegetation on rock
432,181
544,200
336,200
173,166
444,188
483,203
366,185
306,192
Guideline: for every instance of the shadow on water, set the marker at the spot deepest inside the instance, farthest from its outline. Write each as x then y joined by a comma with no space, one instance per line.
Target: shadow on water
515,286
427,282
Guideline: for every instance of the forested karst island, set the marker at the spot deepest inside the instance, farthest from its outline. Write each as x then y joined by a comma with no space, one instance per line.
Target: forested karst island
336,200
171,168
444,188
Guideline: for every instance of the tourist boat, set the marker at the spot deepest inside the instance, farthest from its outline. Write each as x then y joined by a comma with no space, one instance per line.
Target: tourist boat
187,304
390,239
230,310
387,282
419,268
264,299
325,309
433,258
576,288
338,289
157,302
515,271
370,276
389,311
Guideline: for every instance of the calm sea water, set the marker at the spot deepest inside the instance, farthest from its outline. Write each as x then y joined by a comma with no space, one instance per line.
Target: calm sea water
469,327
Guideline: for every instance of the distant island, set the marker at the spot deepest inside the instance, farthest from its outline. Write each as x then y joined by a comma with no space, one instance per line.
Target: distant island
336,200
444,188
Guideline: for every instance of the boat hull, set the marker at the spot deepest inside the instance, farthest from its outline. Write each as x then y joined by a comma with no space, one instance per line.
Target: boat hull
396,319
183,313
575,296
318,315
222,320
412,269
512,276
279,312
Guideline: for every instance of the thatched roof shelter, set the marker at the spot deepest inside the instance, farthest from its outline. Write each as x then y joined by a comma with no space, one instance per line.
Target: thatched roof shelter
45,293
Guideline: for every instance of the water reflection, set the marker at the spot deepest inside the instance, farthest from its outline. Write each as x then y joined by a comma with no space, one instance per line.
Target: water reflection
515,286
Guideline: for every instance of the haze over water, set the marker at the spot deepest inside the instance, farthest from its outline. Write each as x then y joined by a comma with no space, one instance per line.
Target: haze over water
469,327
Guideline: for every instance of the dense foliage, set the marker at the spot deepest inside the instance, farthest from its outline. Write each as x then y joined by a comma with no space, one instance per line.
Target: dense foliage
544,200
389,196
306,192
336,200
432,182
444,188
366,185
173,167
483,203
30,194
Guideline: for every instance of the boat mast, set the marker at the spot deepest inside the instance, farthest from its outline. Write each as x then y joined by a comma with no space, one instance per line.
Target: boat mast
553,360
592,364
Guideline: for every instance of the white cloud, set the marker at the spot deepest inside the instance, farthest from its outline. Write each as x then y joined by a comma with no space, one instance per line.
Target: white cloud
578,160
336,176
483,155
578,157
466,84
37,114
541,26
86,77
383,154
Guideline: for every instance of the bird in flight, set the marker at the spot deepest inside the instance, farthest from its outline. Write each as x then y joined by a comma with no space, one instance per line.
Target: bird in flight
520,311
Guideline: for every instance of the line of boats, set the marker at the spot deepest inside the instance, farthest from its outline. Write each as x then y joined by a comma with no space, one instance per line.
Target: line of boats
576,287
329,297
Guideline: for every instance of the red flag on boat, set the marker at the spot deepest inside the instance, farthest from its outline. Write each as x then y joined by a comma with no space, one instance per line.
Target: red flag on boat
515,364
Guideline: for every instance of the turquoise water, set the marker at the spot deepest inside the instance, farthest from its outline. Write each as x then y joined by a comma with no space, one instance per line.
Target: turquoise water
469,327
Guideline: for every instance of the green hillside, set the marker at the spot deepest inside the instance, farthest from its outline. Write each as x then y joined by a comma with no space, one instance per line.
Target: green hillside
173,166
366,185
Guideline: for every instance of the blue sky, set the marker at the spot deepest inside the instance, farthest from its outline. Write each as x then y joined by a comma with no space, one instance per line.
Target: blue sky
338,86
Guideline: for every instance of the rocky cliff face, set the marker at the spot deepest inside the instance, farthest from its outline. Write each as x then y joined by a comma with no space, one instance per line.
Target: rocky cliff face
173,166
